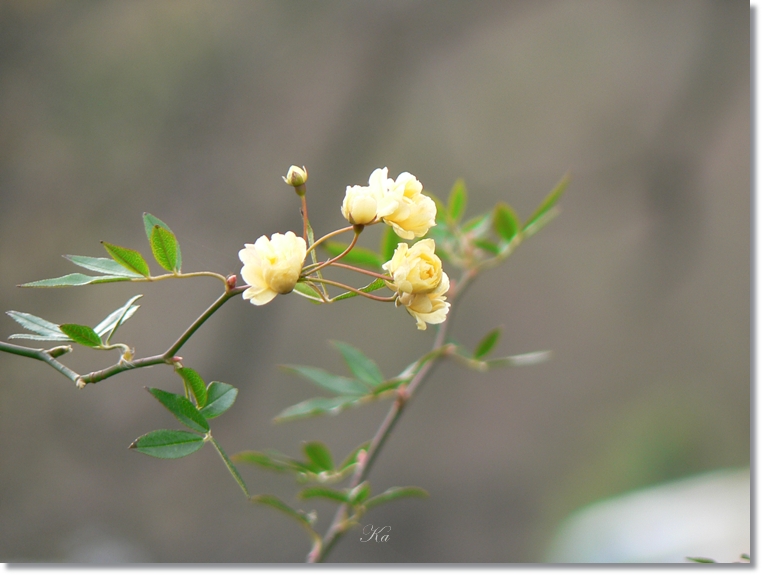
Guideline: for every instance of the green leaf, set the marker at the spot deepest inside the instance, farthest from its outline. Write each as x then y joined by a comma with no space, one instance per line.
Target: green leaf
196,384
456,203
540,216
220,397
164,247
395,493
179,406
319,454
520,360
441,216
117,318
44,330
81,334
337,384
263,460
364,368
316,406
505,221
701,560
375,285
306,290
130,259
358,256
71,280
103,265
351,459
168,443
488,246
745,556
360,493
150,222
487,343
324,492
389,243
477,225
276,503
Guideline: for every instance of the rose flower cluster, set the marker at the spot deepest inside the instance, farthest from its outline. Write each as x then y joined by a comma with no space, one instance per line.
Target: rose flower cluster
274,266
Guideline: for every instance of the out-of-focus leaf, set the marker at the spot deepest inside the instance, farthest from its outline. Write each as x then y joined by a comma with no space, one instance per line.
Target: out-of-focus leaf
319,454
477,225
360,493
488,246
164,247
168,443
456,203
505,221
701,560
220,397
364,368
44,330
337,384
441,217
179,406
358,256
117,318
395,493
263,460
276,503
351,459
520,360
104,266
538,218
196,384
376,284
487,343
316,406
307,291
389,243
149,221
323,492
71,280
81,334
130,259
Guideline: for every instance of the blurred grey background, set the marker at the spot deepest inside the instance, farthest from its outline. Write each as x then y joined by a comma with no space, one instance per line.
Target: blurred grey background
193,110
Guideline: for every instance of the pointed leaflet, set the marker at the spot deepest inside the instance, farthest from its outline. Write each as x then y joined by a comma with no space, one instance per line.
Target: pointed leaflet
196,384
130,259
335,383
276,503
395,493
81,334
359,493
375,285
364,368
520,360
71,280
543,212
164,247
117,318
179,406
102,265
456,203
306,290
263,460
149,221
168,443
316,406
320,456
357,256
324,492
487,343
505,221
220,397
44,330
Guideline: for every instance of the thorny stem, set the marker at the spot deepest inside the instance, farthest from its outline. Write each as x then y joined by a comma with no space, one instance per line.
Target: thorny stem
404,394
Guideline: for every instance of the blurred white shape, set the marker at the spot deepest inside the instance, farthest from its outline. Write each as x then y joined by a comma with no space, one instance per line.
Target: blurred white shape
707,515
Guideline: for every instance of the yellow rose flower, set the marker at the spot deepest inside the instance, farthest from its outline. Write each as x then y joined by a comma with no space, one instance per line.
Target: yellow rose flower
363,205
414,269
412,213
428,307
271,267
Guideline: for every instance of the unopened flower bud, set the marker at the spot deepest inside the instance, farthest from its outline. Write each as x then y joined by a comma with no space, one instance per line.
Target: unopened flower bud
296,176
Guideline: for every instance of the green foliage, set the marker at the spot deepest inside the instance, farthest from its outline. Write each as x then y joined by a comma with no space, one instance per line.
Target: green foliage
306,290
130,259
317,406
165,248
81,334
104,266
375,285
219,398
150,222
323,492
359,256
545,212
363,368
73,280
395,493
318,456
457,202
179,406
195,384
334,383
168,443
43,330
116,318
505,222
389,243
278,504
487,343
